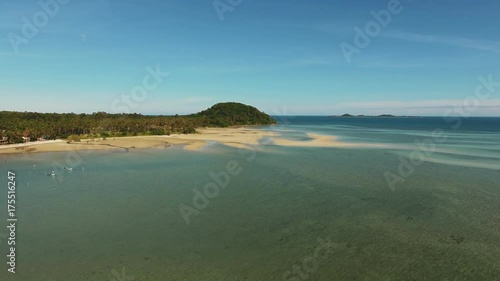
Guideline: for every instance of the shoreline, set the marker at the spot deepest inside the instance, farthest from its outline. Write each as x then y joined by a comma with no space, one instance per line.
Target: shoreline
240,137
237,137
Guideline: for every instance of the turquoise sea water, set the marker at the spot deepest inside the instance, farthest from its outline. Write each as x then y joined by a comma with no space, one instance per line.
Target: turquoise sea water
117,215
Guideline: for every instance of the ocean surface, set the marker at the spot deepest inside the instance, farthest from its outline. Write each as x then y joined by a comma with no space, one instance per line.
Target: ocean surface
425,205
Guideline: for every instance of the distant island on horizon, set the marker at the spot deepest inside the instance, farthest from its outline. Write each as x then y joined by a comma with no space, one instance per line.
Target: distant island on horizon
371,116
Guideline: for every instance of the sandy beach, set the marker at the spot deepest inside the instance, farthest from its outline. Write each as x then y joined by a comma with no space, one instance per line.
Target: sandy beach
243,137
235,137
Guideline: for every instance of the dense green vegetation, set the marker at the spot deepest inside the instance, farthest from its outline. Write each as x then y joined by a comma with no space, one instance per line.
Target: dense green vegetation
16,125
232,113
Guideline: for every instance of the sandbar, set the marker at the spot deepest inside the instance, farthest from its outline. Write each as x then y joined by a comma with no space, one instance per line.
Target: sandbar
241,137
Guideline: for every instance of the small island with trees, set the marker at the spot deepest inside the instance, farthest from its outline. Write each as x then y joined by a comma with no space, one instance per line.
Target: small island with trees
363,116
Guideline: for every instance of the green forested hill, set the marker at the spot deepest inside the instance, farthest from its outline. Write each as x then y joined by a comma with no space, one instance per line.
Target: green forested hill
232,113
15,125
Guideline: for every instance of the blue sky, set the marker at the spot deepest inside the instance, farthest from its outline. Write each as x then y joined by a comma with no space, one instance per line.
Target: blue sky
280,56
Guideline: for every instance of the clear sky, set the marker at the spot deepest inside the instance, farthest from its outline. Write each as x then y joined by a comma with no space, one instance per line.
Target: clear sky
282,56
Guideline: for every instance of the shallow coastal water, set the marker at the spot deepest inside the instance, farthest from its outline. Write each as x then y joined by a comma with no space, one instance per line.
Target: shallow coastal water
118,212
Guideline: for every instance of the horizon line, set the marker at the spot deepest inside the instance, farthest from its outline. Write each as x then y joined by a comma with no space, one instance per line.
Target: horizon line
386,115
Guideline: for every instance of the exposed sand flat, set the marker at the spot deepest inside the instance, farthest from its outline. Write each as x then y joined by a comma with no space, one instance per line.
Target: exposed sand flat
324,141
60,146
21,145
244,138
235,137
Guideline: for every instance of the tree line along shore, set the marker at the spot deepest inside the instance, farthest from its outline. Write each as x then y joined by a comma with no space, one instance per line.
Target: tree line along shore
19,127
